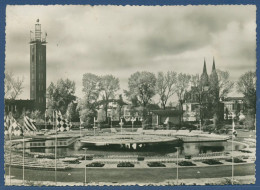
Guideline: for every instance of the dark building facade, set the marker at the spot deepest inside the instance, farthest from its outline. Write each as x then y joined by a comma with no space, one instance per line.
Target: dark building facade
38,69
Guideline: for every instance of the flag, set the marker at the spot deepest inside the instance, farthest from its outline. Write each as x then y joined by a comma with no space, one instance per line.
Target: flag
62,124
17,129
14,128
6,124
28,124
166,120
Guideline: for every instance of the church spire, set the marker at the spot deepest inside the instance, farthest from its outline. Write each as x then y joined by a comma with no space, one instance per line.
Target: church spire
213,66
205,67
204,79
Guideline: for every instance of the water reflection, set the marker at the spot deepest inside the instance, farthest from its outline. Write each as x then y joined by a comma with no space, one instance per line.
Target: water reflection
184,149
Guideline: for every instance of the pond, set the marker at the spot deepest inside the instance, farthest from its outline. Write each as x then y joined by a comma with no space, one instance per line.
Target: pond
194,148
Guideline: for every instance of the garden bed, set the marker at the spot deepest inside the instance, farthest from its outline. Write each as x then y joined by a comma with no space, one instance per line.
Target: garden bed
186,163
95,164
155,164
126,164
236,160
212,162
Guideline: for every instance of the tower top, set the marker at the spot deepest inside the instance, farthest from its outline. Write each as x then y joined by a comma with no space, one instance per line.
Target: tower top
37,37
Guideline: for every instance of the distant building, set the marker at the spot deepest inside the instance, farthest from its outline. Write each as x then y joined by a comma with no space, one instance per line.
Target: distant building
232,105
37,76
166,117
18,106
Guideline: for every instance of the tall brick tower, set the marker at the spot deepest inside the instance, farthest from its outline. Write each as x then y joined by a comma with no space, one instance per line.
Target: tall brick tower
38,68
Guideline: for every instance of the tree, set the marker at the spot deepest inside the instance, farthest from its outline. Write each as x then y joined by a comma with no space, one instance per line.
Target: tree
72,112
60,95
182,85
109,85
91,87
141,87
247,86
225,85
13,86
165,86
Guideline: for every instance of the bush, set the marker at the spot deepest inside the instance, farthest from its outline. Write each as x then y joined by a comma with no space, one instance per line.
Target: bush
186,163
125,164
245,151
72,161
155,164
95,164
212,162
236,160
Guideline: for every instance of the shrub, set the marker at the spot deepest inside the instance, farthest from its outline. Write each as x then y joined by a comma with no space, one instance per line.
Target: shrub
186,163
155,164
125,164
245,151
212,162
95,164
236,160
72,161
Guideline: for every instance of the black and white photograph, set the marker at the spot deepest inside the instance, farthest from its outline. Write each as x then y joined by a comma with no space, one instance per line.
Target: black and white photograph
130,95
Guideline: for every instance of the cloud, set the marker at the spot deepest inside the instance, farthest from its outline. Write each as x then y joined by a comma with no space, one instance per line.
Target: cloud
121,40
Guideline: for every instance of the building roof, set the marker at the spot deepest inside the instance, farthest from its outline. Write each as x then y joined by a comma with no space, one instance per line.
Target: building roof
167,112
233,98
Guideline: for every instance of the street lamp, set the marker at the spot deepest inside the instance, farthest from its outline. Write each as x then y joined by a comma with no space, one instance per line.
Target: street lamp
121,125
85,164
80,126
94,126
133,120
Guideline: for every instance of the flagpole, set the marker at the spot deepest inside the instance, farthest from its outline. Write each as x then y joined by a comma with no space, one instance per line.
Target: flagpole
23,153
56,152
45,121
111,123
94,126
10,156
233,130
53,119
80,126
177,170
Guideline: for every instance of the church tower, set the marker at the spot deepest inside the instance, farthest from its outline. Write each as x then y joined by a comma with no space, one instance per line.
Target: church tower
204,78
38,68
214,86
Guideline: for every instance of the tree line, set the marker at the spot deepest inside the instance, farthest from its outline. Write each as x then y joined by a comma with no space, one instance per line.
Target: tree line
142,87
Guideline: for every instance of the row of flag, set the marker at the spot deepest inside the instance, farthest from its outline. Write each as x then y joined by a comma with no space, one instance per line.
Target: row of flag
12,127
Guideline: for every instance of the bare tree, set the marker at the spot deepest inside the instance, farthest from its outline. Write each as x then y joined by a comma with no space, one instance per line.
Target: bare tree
165,86
13,86
225,85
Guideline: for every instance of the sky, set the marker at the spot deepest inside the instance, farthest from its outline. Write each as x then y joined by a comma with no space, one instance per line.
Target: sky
121,40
